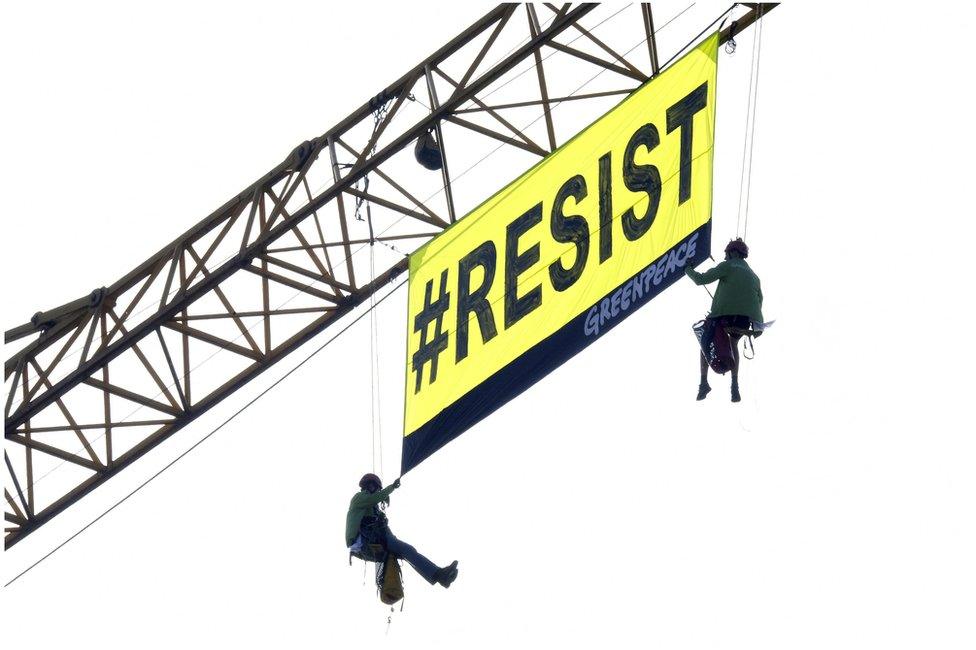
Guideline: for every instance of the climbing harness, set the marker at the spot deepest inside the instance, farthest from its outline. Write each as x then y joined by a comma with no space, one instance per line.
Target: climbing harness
370,546
746,334
715,340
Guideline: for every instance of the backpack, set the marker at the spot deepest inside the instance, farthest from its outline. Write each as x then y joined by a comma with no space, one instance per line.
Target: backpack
388,580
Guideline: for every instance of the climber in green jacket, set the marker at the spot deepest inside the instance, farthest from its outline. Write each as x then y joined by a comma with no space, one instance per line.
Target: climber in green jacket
736,308
366,524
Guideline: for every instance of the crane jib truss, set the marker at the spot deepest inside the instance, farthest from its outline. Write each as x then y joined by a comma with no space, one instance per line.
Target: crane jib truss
144,317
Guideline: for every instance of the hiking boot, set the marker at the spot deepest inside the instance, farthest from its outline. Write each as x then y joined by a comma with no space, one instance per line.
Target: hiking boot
735,394
703,390
444,577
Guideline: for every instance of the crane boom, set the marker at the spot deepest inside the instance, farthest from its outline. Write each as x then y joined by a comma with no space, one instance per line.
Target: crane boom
271,268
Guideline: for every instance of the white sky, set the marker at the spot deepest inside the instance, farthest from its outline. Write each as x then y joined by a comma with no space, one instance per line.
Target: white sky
833,507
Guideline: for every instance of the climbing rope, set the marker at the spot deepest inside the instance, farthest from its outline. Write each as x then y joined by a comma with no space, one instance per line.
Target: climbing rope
375,415
375,406
372,362
745,182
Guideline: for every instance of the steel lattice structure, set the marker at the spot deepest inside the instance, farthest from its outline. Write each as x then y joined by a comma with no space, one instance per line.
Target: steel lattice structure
140,343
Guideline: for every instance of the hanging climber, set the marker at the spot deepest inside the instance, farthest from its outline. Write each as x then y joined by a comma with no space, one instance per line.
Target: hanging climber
367,530
736,311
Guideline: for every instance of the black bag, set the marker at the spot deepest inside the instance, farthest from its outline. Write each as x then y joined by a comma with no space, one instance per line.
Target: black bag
716,344
428,152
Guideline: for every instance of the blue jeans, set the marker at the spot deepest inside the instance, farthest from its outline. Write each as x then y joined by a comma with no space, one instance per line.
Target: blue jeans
420,564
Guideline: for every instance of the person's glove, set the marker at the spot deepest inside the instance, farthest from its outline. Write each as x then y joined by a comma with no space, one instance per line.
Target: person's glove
396,484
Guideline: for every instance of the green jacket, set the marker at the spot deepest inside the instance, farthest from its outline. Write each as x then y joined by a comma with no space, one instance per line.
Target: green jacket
360,506
738,292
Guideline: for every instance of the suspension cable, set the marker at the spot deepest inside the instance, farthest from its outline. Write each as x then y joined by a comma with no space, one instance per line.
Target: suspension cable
375,411
376,406
745,182
376,431
372,362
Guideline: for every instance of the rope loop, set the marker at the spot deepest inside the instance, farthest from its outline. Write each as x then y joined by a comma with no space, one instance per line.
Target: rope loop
379,114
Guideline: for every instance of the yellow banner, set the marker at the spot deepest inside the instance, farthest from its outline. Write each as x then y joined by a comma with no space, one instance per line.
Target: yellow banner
560,255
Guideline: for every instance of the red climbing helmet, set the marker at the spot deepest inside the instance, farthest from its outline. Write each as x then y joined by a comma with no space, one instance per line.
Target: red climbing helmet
369,478
737,246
